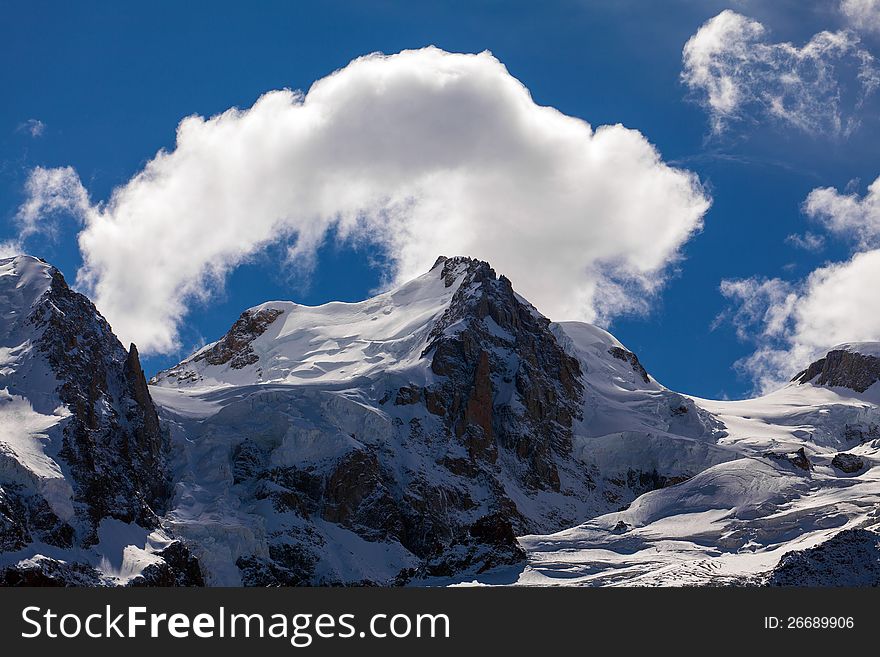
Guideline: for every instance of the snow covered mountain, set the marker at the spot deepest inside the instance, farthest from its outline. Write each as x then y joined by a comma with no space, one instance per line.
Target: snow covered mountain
412,435
83,475
799,505
441,432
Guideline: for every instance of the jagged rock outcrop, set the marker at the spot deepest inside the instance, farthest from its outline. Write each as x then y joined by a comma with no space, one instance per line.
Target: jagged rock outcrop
235,347
628,356
844,368
849,558
848,463
798,459
504,380
175,566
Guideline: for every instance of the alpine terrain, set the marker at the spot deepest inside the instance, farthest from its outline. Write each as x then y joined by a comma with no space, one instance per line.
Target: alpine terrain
442,432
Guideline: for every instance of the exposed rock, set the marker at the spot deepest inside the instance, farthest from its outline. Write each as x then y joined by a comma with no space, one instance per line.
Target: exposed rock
842,368
484,320
287,565
26,517
848,463
407,395
112,443
632,359
849,558
798,459
235,347
106,455
177,568
42,571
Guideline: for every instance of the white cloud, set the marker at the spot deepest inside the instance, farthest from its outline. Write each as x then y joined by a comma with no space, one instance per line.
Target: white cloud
50,195
34,127
862,14
808,241
424,153
10,248
735,72
847,215
794,323
763,303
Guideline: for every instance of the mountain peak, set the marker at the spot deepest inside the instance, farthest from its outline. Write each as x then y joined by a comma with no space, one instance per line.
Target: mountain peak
23,280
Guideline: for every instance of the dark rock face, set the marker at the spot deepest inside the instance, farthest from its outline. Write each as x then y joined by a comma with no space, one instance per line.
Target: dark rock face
506,383
842,368
235,347
848,463
25,518
48,572
177,568
640,481
633,360
849,558
112,443
798,459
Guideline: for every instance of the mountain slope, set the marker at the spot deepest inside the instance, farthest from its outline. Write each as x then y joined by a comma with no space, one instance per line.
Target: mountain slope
82,456
805,477
430,425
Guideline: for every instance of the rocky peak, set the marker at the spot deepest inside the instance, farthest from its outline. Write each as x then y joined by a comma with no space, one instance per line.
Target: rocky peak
622,354
112,443
855,366
504,382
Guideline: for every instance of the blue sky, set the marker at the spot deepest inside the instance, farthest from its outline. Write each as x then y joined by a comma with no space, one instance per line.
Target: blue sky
109,83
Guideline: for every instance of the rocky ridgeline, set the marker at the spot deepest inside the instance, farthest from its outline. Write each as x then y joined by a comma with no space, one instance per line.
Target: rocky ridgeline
849,558
233,348
113,444
505,384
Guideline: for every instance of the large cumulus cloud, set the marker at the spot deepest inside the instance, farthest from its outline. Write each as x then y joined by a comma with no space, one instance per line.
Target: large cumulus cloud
423,153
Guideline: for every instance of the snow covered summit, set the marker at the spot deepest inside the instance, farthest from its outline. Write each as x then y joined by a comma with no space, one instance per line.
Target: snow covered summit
434,422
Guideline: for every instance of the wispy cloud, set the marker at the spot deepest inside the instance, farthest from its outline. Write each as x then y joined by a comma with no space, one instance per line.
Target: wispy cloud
33,127
807,242
51,195
862,14
737,73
